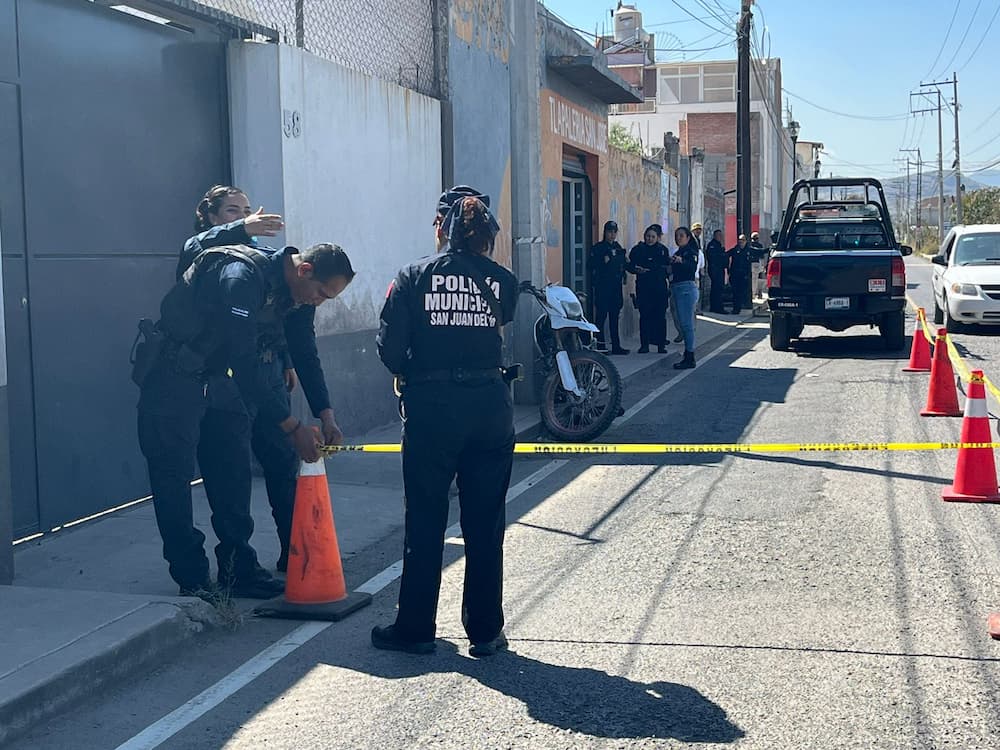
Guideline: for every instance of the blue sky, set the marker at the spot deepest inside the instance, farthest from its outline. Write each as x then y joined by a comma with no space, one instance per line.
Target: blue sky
855,57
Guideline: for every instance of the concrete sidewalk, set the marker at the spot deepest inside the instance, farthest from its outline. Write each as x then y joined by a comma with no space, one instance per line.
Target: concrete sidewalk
93,603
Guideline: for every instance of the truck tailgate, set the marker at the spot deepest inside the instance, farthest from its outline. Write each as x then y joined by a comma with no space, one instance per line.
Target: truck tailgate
855,272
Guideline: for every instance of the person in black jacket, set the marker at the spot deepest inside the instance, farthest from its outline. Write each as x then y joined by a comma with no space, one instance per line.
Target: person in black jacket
648,261
440,335
223,217
684,287
739,274
191,408
717,265
607,272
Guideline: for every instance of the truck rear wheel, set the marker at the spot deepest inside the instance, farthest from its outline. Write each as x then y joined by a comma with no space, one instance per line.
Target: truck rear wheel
780,332
893,330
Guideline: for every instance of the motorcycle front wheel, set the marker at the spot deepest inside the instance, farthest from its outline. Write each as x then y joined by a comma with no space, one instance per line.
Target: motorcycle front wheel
575,420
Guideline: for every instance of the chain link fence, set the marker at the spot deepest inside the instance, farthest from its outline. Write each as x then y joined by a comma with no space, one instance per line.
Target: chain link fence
394,40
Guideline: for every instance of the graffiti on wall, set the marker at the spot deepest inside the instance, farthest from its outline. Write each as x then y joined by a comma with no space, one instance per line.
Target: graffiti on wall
482,24
578,126
552,214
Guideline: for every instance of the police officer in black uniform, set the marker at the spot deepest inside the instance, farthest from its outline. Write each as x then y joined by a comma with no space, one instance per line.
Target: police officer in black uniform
739,274
440,334
191,408
648,261
607,271
223,217
718,263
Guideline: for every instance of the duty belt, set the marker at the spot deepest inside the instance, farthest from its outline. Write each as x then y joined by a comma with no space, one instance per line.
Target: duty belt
457,375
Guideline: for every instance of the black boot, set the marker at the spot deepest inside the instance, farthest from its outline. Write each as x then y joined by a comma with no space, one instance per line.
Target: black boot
687,363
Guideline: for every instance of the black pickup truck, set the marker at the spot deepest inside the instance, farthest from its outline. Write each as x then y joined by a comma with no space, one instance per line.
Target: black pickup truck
837,263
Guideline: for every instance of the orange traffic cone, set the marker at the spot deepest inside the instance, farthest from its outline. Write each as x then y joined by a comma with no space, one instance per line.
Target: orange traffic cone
942,396
976,471
314,588
920,352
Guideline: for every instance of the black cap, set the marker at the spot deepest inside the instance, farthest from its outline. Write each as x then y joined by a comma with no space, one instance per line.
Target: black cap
611,226
448,197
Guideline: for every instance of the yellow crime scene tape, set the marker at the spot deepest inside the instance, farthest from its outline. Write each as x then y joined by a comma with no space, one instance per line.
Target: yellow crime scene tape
647,448
569,449
956,357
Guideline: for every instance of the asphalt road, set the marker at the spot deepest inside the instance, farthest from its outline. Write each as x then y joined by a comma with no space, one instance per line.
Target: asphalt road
822,600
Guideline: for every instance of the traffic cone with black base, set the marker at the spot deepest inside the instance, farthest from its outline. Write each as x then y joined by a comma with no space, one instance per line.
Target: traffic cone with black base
314,588
942,397
920,351
976,471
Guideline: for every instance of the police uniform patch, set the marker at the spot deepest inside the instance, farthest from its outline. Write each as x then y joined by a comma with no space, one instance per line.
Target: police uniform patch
240,312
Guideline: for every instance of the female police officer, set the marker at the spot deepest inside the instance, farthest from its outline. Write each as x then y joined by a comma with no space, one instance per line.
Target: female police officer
440,334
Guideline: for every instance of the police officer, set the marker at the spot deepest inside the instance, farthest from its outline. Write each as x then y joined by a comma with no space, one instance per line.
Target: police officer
210,322
739,273
717,266
607,271
648,260
223,217
440,334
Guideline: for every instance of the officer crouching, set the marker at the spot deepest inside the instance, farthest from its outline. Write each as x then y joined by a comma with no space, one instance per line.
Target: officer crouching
440,334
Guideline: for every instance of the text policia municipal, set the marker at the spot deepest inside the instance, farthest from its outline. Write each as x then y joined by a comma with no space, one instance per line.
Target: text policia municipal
457,301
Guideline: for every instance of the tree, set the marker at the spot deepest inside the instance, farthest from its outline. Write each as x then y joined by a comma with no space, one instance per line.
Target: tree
982,206
623,140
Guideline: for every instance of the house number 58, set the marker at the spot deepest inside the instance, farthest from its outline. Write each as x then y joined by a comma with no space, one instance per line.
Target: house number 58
291,123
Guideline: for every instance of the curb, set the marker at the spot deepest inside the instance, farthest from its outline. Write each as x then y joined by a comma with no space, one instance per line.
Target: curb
111,653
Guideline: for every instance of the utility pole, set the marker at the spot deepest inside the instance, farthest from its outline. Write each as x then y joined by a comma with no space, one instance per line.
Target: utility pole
937,92
959,208
744,197
909,214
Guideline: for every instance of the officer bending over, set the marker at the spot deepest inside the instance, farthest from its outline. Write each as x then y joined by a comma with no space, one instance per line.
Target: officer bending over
440,334
190,408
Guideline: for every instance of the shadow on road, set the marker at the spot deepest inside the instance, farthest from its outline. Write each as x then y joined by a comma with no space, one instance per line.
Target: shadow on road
867,347
833,466
577,699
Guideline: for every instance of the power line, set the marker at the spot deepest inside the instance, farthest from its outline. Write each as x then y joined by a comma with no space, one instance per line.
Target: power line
878,118
700,20
965,36
983,39
765,95
944,42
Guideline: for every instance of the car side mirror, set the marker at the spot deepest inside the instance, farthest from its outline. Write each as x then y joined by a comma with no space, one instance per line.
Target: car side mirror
939,260
906,250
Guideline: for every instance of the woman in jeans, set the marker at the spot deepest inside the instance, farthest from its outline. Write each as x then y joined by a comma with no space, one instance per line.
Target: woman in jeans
684,289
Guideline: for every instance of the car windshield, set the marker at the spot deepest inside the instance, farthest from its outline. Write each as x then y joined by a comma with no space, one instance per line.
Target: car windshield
977,249
837,235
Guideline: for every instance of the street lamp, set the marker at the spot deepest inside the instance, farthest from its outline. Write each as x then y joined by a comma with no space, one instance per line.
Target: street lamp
793,131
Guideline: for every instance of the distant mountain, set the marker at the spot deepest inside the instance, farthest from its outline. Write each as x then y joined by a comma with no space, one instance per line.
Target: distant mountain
989,178
929,186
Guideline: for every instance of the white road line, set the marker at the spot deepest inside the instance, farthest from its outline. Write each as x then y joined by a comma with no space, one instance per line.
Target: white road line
160,731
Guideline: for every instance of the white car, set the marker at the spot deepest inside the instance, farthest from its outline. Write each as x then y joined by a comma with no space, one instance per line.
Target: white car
966,279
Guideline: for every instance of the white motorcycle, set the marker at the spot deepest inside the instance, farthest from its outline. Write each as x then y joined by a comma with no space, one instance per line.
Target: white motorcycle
581,391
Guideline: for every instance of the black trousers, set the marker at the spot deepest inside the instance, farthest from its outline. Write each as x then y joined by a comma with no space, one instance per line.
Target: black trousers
177,427
740,282
653,322
718,291
467,431
610,314
277,458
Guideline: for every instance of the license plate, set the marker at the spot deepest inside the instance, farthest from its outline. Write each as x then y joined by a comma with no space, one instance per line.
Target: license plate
876,285
838,303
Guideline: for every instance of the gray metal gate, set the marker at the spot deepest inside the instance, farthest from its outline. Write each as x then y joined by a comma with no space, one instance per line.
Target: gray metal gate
111,127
